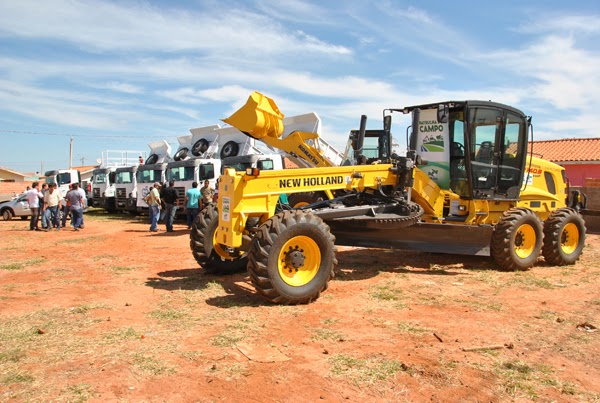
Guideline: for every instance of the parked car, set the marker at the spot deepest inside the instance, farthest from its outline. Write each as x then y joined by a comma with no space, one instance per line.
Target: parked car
17,207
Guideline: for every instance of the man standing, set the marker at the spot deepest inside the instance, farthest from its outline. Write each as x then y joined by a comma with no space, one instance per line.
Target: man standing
45,223
53,204
83,204
170,197
153,200
65,209
207,194
191,204
33,198
76,201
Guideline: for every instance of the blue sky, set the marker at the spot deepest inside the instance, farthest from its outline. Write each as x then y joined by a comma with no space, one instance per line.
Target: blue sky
118,75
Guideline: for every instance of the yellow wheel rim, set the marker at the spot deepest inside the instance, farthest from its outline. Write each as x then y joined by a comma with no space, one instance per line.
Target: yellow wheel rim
298,261
219,249
569,238
525,240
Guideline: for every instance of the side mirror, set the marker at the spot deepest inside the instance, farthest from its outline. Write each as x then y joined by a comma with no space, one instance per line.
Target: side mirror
442,113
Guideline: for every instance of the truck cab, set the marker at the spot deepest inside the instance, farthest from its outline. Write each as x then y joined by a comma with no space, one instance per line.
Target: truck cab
63,178
103,188
184,173
126,188
147,175
267,162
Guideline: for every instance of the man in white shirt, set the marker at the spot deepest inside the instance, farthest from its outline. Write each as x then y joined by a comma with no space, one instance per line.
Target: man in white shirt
53,203
33,198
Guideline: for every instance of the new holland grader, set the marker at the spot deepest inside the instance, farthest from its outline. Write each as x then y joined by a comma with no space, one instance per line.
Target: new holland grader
467,185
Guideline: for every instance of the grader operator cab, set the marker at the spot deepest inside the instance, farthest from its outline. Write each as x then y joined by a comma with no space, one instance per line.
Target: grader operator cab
467,186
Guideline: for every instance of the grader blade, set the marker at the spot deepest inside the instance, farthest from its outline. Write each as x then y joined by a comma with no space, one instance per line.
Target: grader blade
258,118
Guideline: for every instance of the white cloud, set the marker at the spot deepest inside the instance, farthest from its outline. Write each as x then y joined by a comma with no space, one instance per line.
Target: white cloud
63,107
104,26
123,87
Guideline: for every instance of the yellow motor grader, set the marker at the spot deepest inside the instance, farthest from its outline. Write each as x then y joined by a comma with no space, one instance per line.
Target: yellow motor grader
467,185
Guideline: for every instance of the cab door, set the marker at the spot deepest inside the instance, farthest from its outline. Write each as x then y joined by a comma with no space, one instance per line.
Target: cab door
497,139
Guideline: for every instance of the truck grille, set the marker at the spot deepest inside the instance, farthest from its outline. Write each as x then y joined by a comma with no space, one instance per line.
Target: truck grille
180,193
121,197
96,192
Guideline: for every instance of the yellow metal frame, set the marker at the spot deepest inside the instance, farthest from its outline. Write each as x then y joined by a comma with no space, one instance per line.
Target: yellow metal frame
242,196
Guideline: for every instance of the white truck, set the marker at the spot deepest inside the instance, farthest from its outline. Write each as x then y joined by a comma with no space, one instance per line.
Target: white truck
103,188
126,189
104,177
195,160
153,170
63,178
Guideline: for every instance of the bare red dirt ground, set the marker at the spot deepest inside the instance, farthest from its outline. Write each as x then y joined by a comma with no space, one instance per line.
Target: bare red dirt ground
115,313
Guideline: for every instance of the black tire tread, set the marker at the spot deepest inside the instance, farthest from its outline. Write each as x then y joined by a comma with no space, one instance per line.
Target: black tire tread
258,256
552,229
207,259
501,245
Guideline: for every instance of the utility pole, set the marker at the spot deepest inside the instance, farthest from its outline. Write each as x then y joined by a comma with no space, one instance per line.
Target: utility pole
82,161
71,153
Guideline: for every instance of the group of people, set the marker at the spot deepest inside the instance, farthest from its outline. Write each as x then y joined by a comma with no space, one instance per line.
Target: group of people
49,203
165,198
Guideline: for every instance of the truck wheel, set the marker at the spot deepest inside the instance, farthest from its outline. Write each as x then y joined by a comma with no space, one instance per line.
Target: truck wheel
212,256
564,237
296,200
181,154
7,214
200,147
517,239
230,149
151,159
292,257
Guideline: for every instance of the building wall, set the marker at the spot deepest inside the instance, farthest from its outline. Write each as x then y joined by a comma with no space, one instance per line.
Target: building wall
578,173
9,176
10,189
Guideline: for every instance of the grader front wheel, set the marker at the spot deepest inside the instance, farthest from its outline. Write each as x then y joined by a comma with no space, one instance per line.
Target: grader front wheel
292,258
564,237
517,239
212,256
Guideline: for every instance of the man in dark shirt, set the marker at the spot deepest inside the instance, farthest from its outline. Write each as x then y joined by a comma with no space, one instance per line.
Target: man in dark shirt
170,198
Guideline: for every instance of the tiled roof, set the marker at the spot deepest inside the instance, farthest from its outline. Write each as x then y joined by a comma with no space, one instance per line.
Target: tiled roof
568,149
85,168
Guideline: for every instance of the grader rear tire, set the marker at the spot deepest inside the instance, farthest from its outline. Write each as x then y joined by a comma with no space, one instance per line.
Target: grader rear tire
213,257
517,239
292,257
564,237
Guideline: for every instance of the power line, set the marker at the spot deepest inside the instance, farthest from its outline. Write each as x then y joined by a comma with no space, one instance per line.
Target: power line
73,135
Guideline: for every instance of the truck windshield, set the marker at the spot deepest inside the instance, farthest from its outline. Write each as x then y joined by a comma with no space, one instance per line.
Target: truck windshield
64,178
124,177
239,167
149,176
181,174
100,178
207,171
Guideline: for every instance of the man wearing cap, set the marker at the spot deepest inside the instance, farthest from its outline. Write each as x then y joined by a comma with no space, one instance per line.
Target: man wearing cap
153,200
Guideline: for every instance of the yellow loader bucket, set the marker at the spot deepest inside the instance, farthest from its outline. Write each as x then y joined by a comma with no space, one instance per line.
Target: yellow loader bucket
259,117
